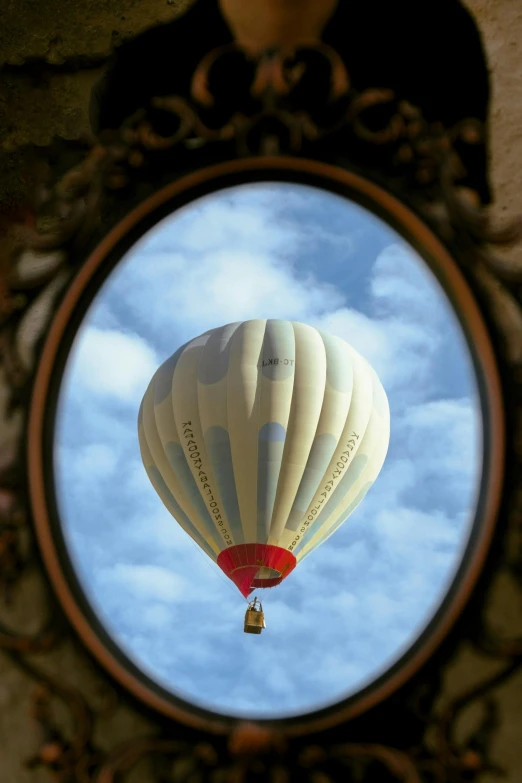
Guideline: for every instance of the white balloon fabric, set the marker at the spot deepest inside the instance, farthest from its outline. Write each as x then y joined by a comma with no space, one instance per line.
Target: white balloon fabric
261,438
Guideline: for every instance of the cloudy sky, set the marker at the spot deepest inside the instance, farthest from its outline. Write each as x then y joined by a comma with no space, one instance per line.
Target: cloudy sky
352,607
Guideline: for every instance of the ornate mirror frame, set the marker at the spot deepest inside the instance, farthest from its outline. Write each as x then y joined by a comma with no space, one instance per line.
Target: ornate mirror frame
407,171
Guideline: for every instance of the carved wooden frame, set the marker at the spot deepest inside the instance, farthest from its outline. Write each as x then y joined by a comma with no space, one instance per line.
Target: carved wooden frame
412,186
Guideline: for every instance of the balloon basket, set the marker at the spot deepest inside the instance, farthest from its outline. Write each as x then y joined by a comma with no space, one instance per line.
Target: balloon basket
254,617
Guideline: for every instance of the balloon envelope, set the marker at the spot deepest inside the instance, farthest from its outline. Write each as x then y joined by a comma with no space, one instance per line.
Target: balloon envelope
261,438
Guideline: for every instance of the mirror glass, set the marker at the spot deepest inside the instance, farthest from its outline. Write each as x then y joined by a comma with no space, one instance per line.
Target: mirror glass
354,606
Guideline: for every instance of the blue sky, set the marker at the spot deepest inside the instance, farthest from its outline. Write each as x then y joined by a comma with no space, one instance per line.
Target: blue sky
351,608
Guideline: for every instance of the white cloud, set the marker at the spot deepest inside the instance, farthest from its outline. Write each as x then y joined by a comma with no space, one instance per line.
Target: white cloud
149,582
97,460
216,225
223,262
156,616
109,362
402,284
248,283
452,426
400,333
364,334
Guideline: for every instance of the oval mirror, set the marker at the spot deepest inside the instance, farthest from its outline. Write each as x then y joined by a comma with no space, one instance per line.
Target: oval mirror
355,610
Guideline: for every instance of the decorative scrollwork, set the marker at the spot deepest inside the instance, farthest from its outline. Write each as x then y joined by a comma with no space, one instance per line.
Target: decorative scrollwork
44,251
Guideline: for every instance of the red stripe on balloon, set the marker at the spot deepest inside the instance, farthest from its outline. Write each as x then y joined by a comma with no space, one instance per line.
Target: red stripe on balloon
241,564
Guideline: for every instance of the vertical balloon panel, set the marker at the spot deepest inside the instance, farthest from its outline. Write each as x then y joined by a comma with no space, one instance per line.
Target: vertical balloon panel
165,481
361,472
305,410
276,380
243,401
188,424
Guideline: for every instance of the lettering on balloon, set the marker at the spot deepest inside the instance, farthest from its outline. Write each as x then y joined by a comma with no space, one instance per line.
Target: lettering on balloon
195,461
276,361
327,488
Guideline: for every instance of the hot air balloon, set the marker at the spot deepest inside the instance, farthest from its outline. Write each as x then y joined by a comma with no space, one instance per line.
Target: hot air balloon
261,438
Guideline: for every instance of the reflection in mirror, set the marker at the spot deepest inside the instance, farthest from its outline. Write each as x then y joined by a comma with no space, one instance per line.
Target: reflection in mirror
348,611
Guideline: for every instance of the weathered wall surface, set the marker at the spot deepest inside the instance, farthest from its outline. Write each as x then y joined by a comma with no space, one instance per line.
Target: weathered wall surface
52,52
501,24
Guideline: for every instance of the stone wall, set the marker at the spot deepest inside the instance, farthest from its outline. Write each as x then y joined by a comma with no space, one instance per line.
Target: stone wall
52,52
